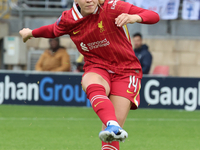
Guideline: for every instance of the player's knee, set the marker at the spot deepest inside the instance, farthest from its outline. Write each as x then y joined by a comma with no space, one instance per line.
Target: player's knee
86,81
93,78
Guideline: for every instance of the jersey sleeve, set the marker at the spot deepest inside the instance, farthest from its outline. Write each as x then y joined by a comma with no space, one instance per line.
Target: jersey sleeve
57,29
118,7
148,16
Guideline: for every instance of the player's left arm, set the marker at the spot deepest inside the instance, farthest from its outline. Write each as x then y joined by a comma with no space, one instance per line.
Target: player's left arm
136,14
124,19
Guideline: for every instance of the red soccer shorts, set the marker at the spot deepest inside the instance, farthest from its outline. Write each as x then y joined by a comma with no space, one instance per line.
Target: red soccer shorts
121,85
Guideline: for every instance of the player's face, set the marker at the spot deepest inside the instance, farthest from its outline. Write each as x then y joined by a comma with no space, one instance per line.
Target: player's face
87,6
137,41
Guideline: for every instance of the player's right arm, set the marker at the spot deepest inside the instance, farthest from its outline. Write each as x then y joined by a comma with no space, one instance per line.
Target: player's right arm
44,31
26,34
49,31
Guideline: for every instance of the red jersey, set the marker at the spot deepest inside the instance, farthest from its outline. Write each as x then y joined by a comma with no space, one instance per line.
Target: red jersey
98,38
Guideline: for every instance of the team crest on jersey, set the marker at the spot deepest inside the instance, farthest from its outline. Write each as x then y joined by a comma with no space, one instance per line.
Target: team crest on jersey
101,27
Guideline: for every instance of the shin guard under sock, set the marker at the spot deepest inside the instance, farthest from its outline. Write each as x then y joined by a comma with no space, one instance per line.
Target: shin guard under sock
100,103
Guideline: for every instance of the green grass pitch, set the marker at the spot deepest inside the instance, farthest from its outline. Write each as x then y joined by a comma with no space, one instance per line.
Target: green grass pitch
77,128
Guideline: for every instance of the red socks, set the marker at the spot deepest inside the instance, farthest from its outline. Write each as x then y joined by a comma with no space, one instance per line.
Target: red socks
104,108
110,146
100,103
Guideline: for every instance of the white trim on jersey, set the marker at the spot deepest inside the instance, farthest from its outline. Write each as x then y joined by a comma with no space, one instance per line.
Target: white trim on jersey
126,32
78,13
73,14
95,10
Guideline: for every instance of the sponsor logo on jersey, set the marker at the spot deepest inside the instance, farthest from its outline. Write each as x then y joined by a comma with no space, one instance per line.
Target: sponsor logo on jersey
94,45
84,47
75,32
100,25
98,44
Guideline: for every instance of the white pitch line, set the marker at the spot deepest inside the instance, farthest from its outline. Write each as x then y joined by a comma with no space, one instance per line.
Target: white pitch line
91,119
161,119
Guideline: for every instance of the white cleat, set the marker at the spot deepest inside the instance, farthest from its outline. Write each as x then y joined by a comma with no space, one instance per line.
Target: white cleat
113,133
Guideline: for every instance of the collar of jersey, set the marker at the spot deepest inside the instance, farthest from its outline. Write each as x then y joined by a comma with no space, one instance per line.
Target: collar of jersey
76,14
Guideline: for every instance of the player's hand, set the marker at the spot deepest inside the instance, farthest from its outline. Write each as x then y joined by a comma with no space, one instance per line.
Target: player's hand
101,1
124,19
26,34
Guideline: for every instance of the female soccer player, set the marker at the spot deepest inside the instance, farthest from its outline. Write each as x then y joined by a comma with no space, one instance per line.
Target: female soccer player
112,72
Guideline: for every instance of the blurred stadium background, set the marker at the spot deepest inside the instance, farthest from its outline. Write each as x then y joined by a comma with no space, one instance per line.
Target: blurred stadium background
173,42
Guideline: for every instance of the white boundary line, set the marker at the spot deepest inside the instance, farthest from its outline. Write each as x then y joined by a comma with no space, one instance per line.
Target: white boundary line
95,119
